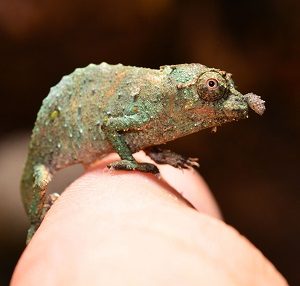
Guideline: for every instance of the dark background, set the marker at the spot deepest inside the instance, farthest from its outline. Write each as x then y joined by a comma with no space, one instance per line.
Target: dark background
251,166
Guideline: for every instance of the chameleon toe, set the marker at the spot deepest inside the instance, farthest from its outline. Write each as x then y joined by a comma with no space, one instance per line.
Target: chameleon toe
133,166
122,165
147,168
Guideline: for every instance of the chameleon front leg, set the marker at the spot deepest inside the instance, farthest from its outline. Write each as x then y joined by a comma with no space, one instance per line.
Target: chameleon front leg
112,129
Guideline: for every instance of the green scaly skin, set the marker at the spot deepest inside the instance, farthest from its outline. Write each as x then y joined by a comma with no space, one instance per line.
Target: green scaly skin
104,108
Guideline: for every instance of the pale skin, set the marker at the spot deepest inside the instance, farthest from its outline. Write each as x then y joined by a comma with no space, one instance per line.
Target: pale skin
131,228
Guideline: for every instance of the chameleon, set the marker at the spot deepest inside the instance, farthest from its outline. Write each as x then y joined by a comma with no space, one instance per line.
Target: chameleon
104,108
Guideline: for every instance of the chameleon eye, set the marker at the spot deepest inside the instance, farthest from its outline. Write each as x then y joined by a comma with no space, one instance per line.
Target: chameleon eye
212,83
211,86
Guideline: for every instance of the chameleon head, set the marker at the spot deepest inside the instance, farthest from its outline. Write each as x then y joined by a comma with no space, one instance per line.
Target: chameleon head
210,98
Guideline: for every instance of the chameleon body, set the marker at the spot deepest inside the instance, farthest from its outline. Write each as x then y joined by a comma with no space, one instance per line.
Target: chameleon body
104,108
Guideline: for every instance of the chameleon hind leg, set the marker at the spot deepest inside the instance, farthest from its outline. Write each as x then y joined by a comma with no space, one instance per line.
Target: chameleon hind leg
165,156
40,202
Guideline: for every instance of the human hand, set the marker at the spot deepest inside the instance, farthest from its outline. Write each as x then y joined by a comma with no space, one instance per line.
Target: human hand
130,228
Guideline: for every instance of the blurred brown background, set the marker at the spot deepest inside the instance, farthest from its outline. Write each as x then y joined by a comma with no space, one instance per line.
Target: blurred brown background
252,167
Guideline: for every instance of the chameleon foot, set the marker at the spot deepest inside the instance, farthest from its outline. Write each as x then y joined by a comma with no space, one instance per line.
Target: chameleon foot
130,166
34,226
49,202
31,231
164,156
52,198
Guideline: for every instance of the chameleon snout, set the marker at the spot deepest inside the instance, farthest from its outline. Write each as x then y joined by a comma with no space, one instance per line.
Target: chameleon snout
236,106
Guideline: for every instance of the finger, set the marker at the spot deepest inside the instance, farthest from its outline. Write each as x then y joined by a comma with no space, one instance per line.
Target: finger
127,228
186,182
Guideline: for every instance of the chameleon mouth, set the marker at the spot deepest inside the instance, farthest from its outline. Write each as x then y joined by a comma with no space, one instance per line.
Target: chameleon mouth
236,107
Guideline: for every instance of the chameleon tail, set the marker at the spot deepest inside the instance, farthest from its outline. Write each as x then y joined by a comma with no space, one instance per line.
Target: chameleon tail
34,183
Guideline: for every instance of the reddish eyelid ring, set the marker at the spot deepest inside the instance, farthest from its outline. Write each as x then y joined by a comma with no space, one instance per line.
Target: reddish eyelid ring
216,83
